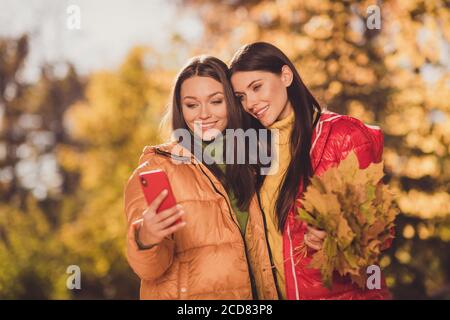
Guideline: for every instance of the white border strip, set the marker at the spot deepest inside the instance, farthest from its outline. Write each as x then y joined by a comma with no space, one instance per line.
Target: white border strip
292,263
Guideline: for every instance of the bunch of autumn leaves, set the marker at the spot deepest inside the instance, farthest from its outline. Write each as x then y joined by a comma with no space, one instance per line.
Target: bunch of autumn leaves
356,211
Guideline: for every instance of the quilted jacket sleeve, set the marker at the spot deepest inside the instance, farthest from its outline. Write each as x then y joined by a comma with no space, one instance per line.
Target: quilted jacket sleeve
148,264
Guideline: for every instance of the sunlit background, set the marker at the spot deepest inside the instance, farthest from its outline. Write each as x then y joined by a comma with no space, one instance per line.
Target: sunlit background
78,105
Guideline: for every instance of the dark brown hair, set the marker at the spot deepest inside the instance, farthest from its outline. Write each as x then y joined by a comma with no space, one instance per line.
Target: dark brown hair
261,56
240,178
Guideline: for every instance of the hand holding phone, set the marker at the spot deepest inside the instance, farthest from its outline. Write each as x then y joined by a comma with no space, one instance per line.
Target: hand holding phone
162,217
153,183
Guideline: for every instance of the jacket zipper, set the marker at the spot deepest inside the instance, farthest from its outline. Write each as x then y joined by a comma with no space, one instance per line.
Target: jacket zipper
254,292
272,265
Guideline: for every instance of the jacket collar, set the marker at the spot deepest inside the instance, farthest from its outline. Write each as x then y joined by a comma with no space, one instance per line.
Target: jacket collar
173,150
320,136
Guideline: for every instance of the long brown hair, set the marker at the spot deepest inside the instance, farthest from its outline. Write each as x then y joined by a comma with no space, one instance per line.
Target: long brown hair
239,178
261,56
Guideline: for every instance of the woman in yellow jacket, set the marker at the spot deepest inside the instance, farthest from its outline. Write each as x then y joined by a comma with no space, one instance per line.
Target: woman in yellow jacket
219,249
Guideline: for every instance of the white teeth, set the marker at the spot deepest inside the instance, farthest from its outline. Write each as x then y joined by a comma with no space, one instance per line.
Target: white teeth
206,125
260,112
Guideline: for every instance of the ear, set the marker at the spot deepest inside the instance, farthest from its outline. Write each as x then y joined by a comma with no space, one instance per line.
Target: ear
286,75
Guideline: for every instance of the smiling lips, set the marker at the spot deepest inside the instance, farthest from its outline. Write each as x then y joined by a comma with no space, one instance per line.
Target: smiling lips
259,114
206,125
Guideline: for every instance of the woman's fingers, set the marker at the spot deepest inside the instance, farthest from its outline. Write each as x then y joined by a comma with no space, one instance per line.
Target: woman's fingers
173,229
312,244
316,243
320,234
171,220
157,202
314,238
156,226
163,215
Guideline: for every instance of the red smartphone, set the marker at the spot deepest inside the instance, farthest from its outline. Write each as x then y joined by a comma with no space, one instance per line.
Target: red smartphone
153,183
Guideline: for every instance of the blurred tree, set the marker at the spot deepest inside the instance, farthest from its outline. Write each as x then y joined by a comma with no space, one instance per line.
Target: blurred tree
63,171
67,149
12,54
120,115
31,181
396,77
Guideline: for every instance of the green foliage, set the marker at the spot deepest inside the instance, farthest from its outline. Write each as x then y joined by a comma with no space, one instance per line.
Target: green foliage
30,254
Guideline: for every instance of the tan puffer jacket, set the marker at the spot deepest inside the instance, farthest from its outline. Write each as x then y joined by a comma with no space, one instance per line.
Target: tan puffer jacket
207,259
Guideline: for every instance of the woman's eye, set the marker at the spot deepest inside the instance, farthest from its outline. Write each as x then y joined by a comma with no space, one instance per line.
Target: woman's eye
217,102
255,88
240,98
190,106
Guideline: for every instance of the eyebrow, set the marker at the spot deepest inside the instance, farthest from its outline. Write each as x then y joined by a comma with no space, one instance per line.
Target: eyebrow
250,84
209,96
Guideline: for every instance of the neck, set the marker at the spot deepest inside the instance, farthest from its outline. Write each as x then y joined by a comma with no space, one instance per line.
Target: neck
287,110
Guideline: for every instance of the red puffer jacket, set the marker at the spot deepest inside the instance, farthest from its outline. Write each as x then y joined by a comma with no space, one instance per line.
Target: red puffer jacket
333,138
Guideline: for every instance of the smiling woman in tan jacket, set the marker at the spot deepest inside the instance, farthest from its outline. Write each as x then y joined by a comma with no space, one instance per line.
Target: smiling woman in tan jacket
219,250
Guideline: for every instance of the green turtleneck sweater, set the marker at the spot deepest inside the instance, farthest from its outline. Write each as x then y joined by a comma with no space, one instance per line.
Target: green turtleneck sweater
242,216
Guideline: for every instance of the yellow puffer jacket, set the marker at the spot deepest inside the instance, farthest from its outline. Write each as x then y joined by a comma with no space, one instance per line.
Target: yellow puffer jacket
207,259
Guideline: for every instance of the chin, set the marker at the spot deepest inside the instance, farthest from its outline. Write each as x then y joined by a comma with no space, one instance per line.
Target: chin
266,122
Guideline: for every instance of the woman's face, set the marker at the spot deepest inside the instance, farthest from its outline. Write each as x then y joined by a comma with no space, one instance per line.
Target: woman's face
264,94
203,106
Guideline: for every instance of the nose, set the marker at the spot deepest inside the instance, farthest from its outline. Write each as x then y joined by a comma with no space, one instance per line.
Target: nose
204,113
252,102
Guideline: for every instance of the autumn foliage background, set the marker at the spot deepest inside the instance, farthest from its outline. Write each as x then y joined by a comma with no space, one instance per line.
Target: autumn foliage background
68,143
